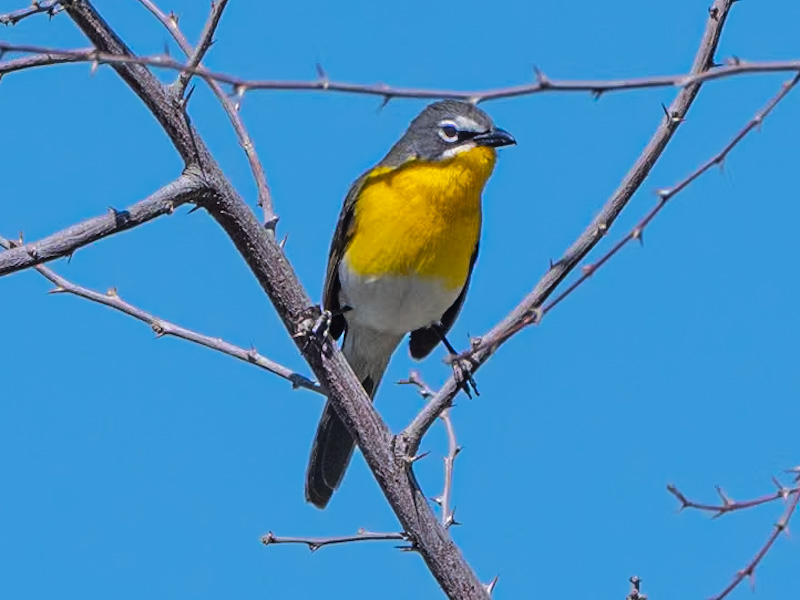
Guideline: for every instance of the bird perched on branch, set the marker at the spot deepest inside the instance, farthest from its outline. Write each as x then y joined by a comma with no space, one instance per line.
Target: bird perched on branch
401,258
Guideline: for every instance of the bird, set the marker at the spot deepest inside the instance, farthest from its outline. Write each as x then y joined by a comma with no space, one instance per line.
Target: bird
401,258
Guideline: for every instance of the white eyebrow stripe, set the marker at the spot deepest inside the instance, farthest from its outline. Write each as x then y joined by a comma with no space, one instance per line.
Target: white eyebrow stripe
467,124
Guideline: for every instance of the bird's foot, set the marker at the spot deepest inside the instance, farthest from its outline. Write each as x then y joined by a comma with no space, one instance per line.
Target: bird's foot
462,365
314,328
462,372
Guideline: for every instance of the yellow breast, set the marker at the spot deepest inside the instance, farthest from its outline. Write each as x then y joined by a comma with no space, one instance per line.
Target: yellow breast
422,218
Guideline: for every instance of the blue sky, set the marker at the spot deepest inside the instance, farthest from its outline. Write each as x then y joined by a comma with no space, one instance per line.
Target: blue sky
136,467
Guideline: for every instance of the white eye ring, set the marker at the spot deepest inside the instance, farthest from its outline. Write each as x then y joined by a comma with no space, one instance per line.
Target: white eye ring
448,131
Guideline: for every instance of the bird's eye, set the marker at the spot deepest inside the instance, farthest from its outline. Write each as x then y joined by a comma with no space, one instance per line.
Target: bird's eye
448,132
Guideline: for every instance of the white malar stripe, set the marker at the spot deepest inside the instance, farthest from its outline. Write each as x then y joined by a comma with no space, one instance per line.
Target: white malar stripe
455,150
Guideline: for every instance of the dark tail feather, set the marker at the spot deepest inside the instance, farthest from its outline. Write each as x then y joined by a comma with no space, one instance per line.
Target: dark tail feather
368,353
330,455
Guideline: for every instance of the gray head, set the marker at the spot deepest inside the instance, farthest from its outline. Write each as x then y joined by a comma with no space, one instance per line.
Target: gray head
444,129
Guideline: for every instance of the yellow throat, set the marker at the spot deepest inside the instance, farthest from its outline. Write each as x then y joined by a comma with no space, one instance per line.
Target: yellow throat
421,218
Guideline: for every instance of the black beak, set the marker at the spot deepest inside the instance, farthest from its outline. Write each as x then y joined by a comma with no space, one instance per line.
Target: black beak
495,137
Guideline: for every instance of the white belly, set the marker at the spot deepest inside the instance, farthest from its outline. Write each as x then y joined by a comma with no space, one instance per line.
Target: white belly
396,303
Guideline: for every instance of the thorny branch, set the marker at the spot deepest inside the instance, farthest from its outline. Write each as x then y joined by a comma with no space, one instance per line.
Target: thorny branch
664,195
186,189
51,7
164,328
445,500
231,108
315,543
206,39
542,84
35,60
727,505
526,311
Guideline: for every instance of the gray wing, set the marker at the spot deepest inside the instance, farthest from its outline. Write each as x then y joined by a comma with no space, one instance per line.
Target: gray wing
339,243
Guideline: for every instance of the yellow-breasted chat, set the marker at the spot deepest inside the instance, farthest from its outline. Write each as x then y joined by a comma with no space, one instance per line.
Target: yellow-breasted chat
401,258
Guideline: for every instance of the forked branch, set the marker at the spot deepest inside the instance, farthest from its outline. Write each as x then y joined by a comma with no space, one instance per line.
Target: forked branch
206,39
664,196
790,494
445,500
231,108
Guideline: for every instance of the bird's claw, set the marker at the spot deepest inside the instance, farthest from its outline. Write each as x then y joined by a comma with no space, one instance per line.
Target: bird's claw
315,329
462,372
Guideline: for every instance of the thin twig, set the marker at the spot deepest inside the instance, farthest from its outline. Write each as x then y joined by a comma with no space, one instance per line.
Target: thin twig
206,39
165,328
444,501
185,189
449,511
414,379
35,60
315,543
529,307
51,7
231,109
727,505
749,570
597,87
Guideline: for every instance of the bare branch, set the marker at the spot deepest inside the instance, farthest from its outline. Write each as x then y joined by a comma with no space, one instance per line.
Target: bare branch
51,7
727,505
415,380
315,543
528,310
36,60
449,511
231,109
186,188
163,103
750,569
166,328
595,87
